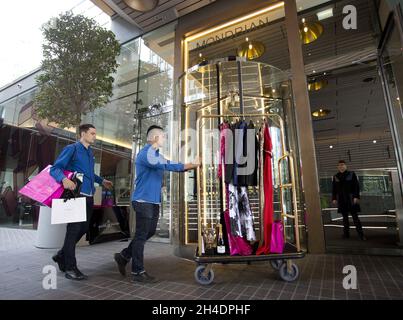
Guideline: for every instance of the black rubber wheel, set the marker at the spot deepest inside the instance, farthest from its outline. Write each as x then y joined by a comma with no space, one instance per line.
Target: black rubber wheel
276,264
289,276
201,278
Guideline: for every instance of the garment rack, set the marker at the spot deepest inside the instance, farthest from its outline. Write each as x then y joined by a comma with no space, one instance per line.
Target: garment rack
286,155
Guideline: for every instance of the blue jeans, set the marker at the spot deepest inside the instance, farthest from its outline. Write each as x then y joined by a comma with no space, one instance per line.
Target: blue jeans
147,215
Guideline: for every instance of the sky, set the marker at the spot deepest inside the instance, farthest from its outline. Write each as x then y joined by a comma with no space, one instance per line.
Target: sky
20,34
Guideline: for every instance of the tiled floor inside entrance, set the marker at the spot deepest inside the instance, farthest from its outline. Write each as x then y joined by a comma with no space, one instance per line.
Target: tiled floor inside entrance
321,275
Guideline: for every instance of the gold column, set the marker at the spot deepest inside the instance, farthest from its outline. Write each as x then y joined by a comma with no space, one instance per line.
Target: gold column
316,240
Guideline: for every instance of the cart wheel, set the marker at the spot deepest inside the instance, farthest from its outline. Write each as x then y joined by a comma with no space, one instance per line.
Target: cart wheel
291,275
201,277
276,264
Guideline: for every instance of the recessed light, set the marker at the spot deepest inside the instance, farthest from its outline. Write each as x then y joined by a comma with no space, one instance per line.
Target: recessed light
325,14
398,99
331,147
369,79
374,141
314,71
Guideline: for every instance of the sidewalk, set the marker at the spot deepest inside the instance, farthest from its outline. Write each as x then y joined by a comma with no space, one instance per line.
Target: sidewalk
321,275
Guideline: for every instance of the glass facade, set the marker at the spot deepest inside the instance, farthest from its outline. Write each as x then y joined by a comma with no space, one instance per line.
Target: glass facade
142,95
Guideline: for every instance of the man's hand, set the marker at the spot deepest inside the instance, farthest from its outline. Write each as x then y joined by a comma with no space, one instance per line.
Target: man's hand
107,184
334,202
196,163
356,201
68,184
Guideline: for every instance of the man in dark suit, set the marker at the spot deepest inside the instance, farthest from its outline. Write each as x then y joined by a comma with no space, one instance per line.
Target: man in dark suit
346,195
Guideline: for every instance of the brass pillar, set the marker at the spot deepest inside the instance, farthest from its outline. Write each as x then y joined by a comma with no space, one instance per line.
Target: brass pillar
316,240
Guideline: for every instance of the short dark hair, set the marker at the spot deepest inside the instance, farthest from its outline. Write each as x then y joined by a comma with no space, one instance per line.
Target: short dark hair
342,161
154,127
84,128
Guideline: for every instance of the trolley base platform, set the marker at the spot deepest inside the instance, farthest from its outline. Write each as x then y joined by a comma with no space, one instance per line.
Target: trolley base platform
280,262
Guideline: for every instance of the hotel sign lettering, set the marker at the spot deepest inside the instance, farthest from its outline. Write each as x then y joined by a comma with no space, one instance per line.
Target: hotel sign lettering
237,29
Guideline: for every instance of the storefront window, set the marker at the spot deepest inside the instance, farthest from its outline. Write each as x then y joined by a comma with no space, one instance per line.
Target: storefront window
155,105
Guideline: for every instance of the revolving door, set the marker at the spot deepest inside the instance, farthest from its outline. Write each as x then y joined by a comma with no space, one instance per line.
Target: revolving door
233,91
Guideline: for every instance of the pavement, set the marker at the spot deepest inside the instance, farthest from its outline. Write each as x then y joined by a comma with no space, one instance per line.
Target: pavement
321,276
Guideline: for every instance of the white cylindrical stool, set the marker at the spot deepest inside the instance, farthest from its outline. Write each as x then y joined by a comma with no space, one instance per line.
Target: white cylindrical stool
49,236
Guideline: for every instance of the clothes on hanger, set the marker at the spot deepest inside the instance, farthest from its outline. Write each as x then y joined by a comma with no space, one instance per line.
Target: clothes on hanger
241,154
268,210
241,216
225,130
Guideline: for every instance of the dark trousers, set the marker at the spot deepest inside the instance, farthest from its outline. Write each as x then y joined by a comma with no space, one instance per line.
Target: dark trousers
356,220
74,232
147,215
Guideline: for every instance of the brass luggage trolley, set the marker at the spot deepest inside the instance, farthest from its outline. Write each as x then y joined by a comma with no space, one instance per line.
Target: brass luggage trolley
227,90
282,263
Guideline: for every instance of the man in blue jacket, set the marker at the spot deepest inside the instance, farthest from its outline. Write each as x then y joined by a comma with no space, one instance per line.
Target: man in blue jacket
146,199
77,157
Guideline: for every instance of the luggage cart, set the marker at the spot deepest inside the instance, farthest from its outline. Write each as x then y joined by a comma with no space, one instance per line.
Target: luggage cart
283,263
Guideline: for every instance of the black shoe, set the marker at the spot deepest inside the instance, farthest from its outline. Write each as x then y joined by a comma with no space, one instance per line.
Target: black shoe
75,274
346,236
122,262
143,277
80,273
363,238
58,259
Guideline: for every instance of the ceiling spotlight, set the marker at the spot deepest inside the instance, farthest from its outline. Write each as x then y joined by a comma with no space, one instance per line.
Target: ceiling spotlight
317,85
374,141
142,5
331,147
251,50
321,113
310,31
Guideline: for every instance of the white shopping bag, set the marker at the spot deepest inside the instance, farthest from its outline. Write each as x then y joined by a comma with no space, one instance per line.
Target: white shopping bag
68,211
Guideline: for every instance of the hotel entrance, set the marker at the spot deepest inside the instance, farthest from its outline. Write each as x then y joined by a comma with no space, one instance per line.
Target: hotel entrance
350,118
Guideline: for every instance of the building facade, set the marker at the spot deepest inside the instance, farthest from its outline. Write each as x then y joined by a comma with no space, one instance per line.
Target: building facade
346,86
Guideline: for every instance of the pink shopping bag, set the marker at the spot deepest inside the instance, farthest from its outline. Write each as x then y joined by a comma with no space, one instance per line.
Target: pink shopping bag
43,188
277,238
